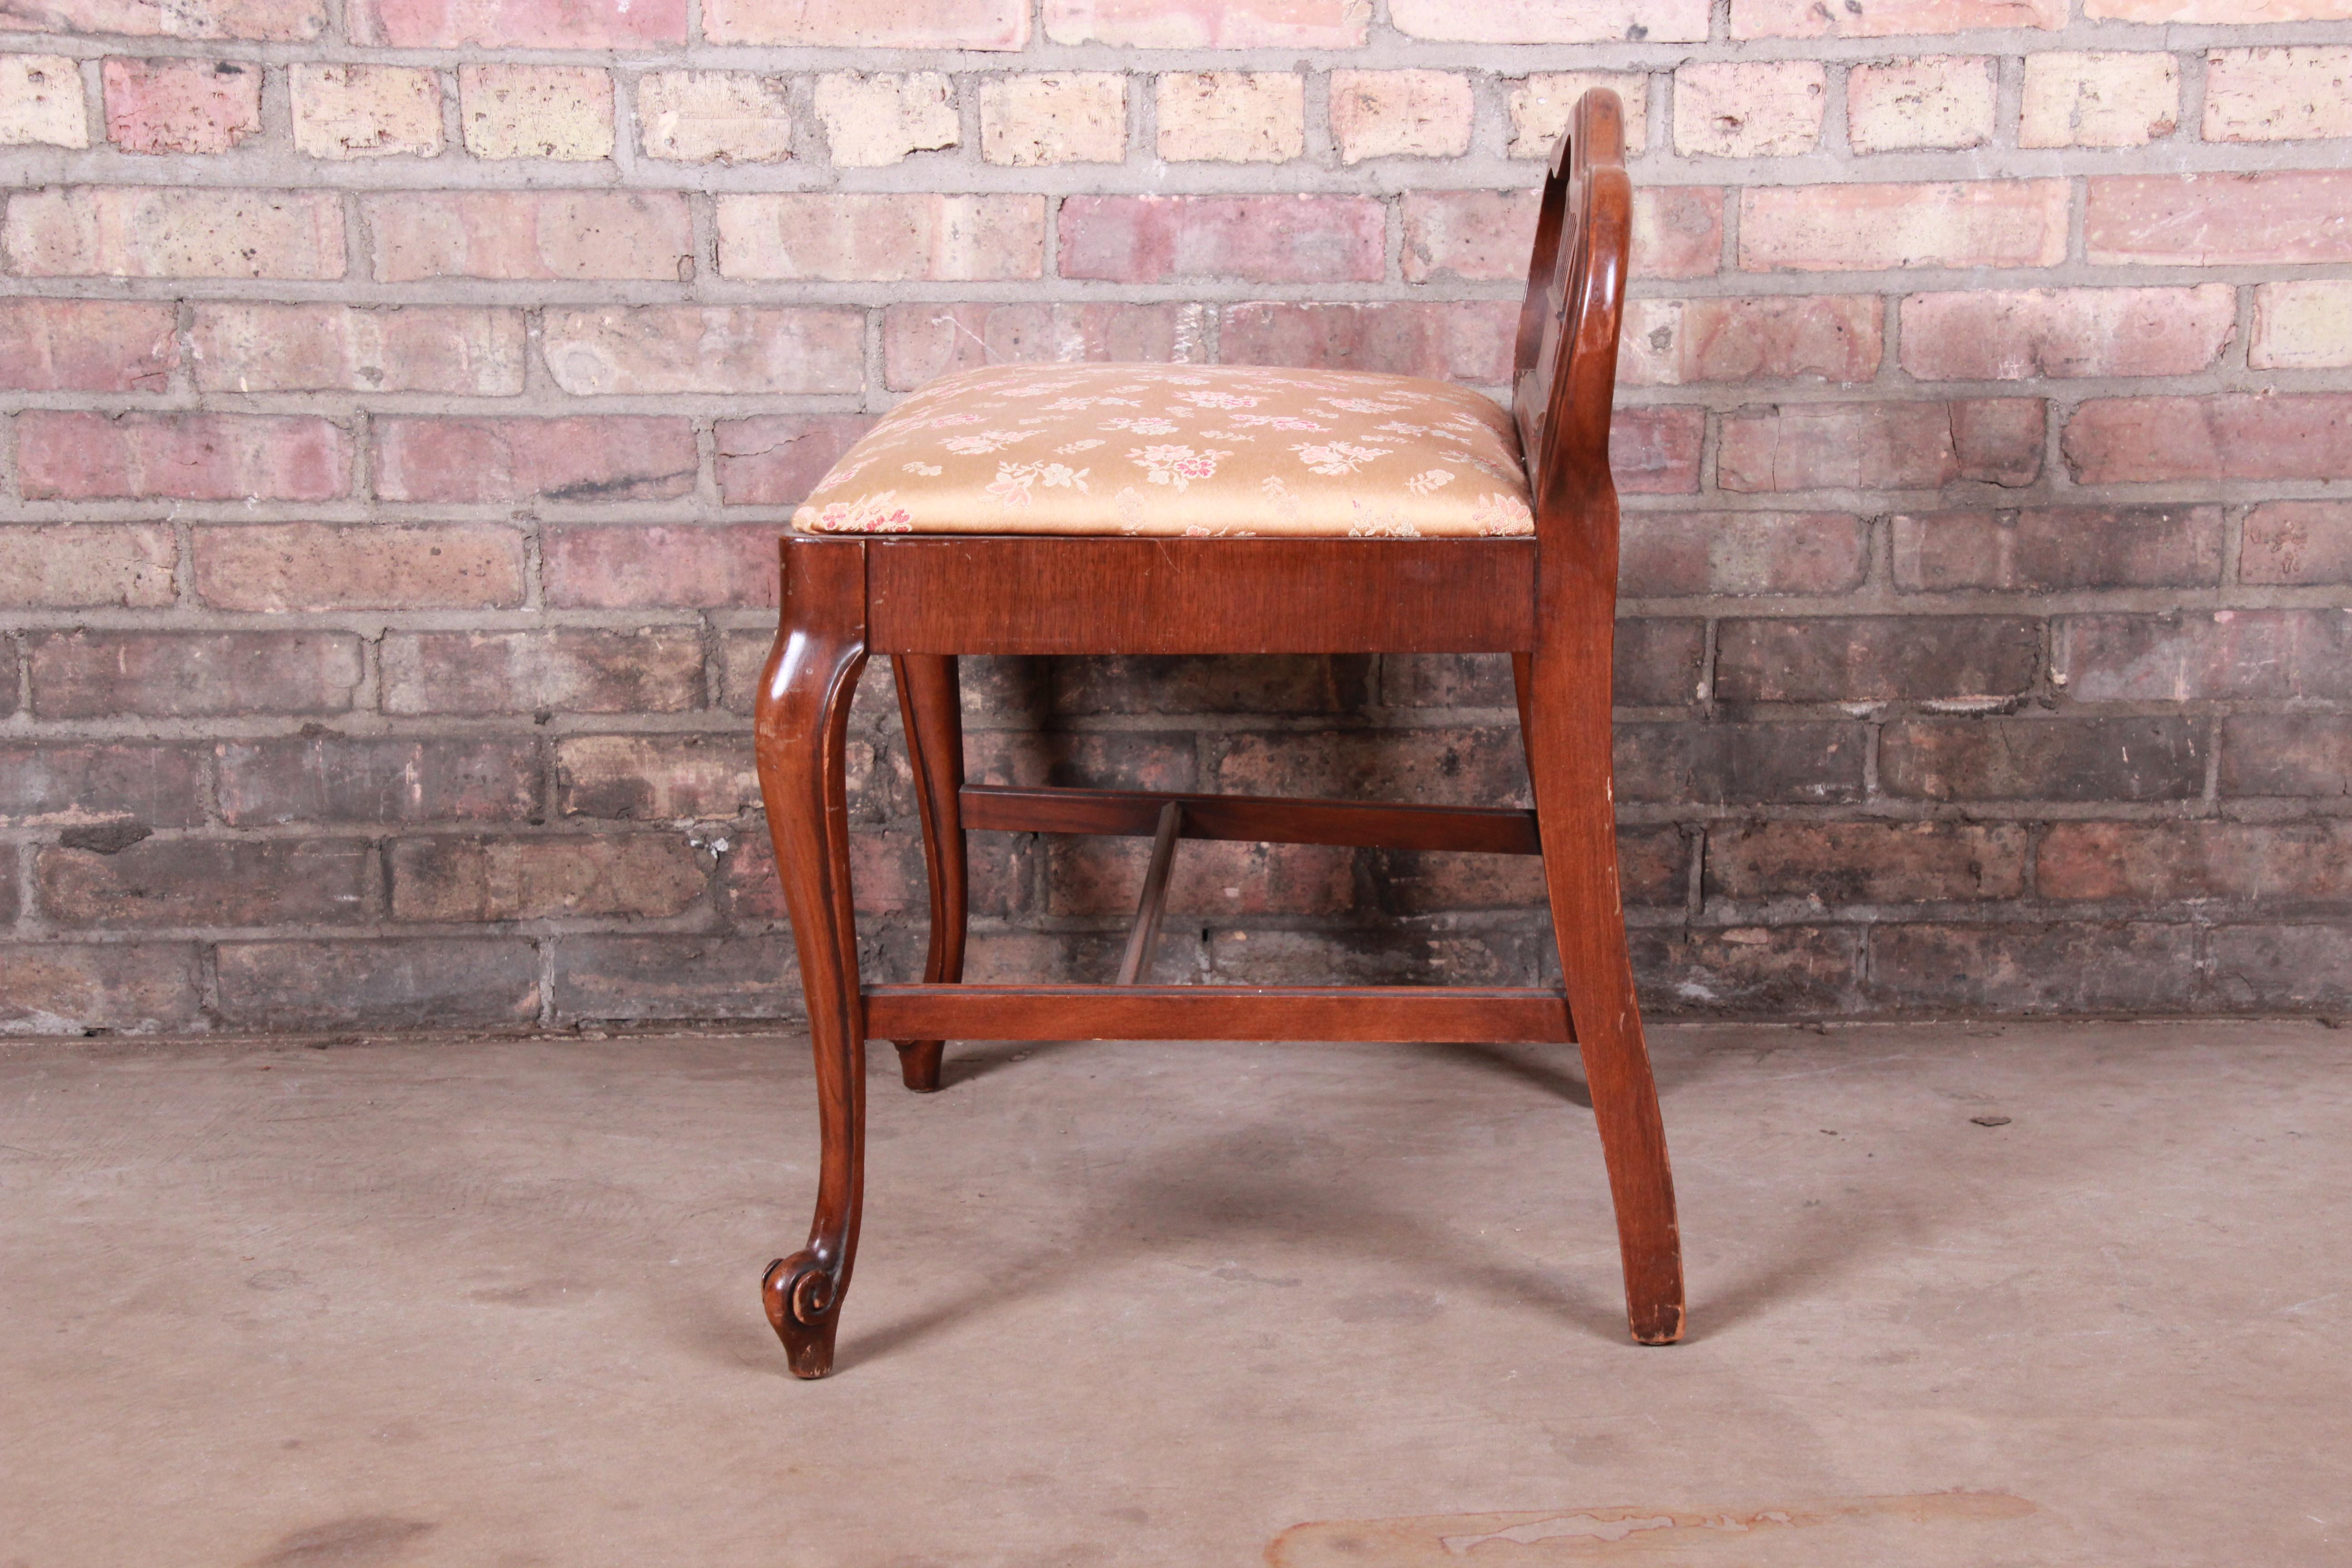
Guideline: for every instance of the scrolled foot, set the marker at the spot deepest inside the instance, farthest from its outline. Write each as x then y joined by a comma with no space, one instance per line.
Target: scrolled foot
918,1064
803,1303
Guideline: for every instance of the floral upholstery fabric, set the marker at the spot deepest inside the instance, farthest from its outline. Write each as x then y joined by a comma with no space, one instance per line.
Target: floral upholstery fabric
1195,450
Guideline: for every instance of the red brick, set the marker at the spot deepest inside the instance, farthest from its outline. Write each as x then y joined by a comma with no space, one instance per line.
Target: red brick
153,231
2281,967
1867,658
1659,662
1869,227
68,988
870,24
1453,766
182,675
1781,337
1484,236
2287,217
86,345
409,348
1213,685
1985,758
2027,334
1414,884
2062,969
623,458
1882,445
2286,754
529,236
1777,972
1866,862
2167,861
1887,18
2218,12
1680,553
443,982
641,876
1260,239
518,24
659,778
76,565
1210,23
312,566
670,349
1552,21
71,783
2183,656
777,459
1806,763
376,779
625,567
270,20
76,456
1467,341
620,978
2057,549
1377,955
2233,435
572,669
181,105
2297,542
1123,760
885,873
1656,451
167,882
922,341
1088,875
880,238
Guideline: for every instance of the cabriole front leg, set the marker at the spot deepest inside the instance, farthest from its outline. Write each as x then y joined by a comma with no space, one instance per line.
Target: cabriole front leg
801,727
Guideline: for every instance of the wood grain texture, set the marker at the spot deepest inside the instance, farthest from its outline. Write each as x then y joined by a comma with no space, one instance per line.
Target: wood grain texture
931,705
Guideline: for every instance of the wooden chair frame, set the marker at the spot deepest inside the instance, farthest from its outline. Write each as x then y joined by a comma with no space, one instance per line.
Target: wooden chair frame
1548,601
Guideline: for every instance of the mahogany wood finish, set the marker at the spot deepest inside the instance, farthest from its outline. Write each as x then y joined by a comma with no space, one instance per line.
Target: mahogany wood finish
1548,601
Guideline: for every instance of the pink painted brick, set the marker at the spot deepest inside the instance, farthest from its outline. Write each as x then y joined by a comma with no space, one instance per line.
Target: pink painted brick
2296,543
516,24
86,345
869,24
1882,445
493,459
2242,654
2305,324
274,567
1673,553
73,565
1749,109
181,105
412,348
1480,236
1261,239
1210,23
776,460
531,236
181,457
288,21
921,342
1941,101
662,349
2234,436
2024,333
1656,451
1778,337
1467,341
1552,21
1887,18
1836,228
2059,548
151,231
628,568
2294,216
1399,114
2277,95
883,239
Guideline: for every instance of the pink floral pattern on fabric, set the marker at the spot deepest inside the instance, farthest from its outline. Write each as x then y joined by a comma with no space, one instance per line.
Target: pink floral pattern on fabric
1200,451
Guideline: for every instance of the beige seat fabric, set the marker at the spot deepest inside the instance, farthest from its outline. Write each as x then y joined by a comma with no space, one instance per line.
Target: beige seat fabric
1197,451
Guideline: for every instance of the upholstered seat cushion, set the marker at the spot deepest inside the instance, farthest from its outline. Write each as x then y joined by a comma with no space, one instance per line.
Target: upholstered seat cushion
1198,450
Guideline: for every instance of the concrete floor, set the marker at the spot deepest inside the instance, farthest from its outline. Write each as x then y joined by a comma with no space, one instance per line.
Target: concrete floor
493,1303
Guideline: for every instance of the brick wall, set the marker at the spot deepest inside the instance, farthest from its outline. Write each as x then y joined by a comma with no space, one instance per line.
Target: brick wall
402,398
